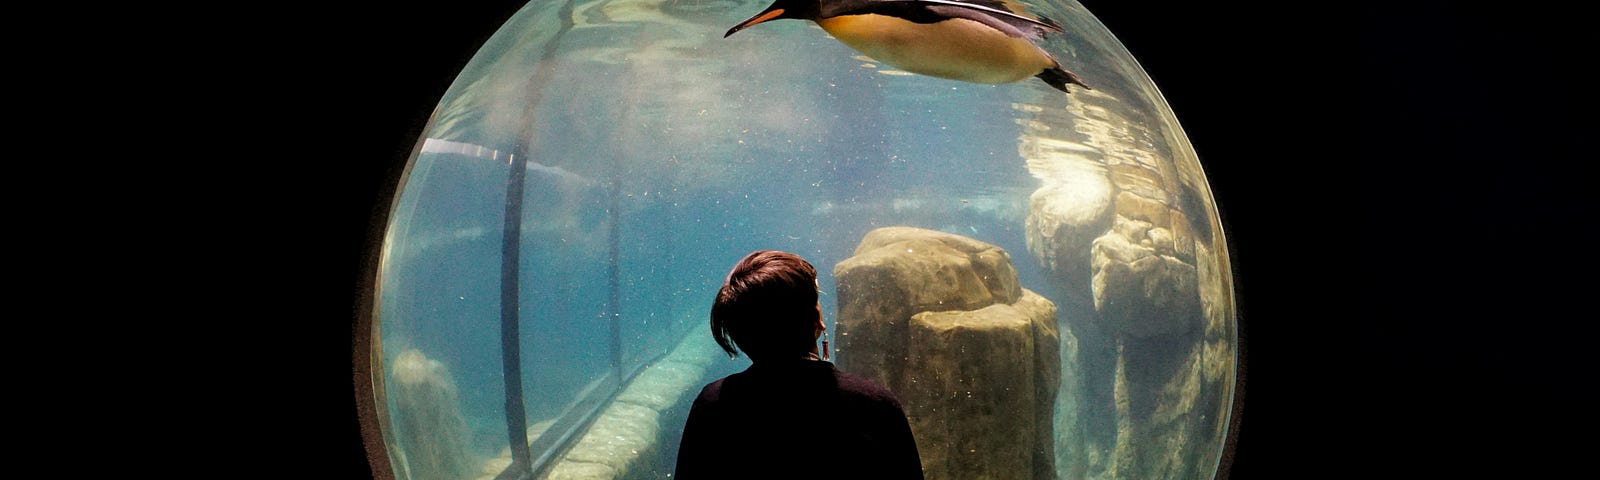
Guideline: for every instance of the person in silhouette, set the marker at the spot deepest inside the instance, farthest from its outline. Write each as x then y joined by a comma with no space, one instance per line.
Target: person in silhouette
790,414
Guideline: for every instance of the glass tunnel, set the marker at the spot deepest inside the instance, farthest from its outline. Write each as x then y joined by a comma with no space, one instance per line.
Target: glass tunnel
1041,277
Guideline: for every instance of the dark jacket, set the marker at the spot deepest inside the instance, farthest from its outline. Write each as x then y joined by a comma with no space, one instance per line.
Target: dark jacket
796,419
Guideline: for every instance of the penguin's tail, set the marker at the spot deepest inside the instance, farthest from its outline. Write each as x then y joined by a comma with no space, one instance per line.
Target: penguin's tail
1059,77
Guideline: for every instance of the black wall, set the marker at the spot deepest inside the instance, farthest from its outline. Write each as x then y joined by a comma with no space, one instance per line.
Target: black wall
1403,186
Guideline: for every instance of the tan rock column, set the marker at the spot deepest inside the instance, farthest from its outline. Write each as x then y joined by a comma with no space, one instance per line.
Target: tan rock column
940,320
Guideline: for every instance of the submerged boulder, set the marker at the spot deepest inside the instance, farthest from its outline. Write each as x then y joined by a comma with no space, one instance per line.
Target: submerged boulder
1139,291
1072,206
898,272
429,428
941,320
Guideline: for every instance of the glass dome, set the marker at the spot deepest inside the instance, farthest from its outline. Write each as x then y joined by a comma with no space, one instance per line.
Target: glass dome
580,191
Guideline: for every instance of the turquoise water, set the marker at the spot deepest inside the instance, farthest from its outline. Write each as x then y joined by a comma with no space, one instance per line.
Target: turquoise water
658,153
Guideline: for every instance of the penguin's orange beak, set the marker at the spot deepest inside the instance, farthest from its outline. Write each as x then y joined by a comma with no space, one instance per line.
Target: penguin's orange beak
760,18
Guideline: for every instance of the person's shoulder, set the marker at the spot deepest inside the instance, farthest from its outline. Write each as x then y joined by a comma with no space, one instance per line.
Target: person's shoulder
865,388
712,392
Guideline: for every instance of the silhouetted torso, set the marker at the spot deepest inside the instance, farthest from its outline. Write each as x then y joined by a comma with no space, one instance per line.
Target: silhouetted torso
796,419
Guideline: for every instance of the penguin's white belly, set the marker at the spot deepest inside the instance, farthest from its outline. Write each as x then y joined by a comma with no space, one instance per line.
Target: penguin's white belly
958,49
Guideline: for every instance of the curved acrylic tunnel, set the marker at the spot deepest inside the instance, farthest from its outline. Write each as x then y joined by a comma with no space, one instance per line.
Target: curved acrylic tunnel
1005,258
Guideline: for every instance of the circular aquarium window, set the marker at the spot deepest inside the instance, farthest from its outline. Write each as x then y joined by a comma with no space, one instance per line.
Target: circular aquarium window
1012,233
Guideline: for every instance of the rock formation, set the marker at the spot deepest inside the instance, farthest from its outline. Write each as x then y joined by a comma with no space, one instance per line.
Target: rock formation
1138,290
1072,207
1122,226
427,419
941,320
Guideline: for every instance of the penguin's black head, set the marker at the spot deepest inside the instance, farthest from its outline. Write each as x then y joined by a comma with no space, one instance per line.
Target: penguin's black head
796,9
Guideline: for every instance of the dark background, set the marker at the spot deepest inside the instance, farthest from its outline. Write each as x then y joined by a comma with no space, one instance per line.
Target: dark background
1403,185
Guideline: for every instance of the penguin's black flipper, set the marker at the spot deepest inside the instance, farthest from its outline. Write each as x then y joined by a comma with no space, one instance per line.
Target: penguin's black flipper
1059,77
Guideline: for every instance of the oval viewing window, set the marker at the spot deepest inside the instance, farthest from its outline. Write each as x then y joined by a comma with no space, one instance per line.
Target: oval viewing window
1040,277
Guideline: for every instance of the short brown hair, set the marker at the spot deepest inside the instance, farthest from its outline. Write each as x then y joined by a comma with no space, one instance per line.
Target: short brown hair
767,306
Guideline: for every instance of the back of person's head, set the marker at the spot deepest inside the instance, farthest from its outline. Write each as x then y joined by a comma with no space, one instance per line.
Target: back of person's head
767,307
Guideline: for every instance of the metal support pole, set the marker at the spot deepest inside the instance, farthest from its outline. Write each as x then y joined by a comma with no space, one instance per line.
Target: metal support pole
510,319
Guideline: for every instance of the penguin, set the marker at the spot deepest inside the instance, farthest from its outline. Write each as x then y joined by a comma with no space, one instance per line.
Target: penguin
978,41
